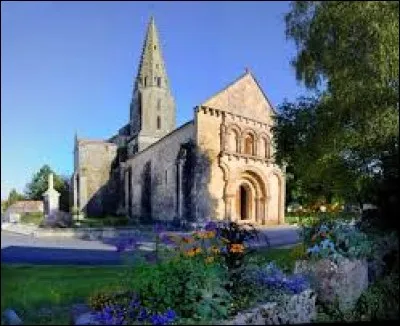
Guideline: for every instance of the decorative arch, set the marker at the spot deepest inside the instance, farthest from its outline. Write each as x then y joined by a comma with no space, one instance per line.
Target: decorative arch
252,182
233,132
265,146
249,141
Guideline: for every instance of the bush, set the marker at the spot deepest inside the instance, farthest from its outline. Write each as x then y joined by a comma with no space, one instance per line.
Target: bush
336,239
193,288
35,218
381,300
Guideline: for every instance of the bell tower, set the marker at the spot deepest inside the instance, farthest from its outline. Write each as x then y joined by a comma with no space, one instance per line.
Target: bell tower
152,109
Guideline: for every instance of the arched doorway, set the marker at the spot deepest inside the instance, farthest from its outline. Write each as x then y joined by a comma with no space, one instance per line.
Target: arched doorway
244,202
250,198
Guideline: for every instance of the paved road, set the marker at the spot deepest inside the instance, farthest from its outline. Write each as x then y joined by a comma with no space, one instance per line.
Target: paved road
18,248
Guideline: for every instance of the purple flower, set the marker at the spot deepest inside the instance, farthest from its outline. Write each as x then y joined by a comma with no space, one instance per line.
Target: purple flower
143,314
158,228
166,240
211,226
121,246
158,320
170,315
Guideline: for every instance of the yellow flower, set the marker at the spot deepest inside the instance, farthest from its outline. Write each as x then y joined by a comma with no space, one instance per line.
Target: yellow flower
210,234
209,260
190,253
225,240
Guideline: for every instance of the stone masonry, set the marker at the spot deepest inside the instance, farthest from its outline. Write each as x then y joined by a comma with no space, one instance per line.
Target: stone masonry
220,165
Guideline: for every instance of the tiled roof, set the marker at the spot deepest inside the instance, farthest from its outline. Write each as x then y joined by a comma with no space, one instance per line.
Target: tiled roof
25,206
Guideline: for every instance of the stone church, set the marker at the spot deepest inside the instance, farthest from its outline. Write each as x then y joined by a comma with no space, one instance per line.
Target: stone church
220,165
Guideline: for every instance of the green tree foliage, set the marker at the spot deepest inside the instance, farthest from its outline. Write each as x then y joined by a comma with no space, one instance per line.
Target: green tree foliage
13,197
39,184
344,140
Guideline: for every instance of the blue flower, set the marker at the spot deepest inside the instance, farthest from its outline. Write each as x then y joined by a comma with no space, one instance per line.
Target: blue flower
323,228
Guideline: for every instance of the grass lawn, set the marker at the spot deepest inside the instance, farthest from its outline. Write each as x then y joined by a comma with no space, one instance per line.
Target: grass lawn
284,257
26,288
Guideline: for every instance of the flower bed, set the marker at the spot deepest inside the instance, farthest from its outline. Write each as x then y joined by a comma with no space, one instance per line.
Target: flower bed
281,298
203,277
291,309
337,262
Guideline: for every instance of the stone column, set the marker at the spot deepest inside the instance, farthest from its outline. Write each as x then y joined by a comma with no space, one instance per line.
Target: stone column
82,194
267,200
179,190
224,142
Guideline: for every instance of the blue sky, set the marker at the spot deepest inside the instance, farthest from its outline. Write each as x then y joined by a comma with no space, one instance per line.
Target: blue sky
70,66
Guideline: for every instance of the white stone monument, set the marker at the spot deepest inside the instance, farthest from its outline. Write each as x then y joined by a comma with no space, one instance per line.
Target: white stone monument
51,200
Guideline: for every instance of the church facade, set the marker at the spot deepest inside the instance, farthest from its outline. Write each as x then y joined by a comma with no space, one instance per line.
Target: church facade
220,165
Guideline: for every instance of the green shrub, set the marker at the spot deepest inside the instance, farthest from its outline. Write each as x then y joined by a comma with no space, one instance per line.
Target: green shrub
189,286
381,300
35,218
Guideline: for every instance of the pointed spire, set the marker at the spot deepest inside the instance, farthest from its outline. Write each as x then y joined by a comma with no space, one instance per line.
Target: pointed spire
151,70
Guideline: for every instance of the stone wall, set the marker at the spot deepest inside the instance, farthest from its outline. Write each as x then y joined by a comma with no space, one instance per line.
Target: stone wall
154,175
243,97
94,161
223,124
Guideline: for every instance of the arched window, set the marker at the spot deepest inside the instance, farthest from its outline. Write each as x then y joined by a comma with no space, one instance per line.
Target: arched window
234,141
158,122
159,81
249,144
145,81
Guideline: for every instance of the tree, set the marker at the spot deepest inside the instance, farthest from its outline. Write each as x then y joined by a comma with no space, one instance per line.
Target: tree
348,53
13,197
39,184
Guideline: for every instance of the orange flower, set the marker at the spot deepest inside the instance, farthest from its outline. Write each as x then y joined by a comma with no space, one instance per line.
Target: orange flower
236,248
190,253
209,260
197,250
193,251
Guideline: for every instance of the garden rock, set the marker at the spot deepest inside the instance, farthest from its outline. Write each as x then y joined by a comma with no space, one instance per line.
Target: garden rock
293,309
342,283
11,318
